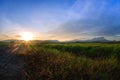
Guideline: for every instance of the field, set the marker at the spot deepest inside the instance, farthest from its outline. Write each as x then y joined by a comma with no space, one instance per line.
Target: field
69,61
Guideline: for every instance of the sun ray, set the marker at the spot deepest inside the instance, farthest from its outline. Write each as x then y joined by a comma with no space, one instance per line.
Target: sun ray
26,36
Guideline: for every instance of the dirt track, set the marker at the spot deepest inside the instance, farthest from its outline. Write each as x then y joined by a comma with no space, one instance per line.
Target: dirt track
11,65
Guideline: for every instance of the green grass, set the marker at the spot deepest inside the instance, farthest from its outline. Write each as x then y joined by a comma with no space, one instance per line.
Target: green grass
88,61
71,61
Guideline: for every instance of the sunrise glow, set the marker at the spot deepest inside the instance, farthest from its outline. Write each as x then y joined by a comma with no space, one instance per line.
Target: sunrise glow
26,36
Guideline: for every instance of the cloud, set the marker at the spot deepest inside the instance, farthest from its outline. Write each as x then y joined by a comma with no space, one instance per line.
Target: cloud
94,27
80,20
93,21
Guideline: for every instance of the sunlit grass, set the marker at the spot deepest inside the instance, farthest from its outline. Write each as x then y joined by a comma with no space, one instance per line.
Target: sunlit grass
91,61
55,62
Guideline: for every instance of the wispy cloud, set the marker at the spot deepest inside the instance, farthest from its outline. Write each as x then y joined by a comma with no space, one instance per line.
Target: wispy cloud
93,19
63,19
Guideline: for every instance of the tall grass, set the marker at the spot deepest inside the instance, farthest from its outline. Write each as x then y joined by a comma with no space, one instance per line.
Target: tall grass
72,62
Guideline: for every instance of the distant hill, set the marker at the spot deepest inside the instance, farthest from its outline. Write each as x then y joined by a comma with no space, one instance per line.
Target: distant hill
96,39
55,41
99,39
10,40
38,41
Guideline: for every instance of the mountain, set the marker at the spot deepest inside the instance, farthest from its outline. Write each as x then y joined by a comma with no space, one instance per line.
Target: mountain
96,39
10,40
54,41
37,41
99,39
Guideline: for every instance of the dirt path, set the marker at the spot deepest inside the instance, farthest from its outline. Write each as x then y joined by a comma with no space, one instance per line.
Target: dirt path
11,64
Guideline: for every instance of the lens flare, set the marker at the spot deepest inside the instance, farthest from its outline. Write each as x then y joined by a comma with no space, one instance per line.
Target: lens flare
26,36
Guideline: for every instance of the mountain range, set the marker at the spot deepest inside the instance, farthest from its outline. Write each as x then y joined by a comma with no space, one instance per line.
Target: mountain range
96,39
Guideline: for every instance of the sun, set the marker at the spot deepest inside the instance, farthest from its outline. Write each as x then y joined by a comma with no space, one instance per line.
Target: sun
26,36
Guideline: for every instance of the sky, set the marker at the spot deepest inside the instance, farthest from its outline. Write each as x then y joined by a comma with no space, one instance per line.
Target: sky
60,19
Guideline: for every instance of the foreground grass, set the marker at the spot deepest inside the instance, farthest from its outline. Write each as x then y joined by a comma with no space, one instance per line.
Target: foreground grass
55,62
86,61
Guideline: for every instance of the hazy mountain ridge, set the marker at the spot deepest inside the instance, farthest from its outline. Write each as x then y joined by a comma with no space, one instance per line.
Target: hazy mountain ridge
15,40
96,39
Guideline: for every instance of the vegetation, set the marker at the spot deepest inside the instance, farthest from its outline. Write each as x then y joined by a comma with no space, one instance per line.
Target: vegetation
69,61
75,61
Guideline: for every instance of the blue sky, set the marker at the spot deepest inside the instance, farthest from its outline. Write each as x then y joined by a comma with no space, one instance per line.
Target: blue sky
60,19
